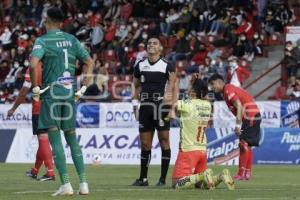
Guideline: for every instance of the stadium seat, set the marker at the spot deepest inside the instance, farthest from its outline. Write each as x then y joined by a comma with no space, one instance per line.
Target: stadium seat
274,39
172,41
280,93
110,55
181,65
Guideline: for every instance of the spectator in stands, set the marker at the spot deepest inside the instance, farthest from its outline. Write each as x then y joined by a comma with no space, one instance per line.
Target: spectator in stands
296,53
114,11
5,39
97,36
141,54
257,45
245,28
290,62
219,67
181,48
184,83
236,74
126,10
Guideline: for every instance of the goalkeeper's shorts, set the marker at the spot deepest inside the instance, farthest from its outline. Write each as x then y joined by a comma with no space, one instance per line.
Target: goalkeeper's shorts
189,163
251,130
55,113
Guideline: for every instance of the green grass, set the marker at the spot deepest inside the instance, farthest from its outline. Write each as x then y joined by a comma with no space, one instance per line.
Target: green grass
112,182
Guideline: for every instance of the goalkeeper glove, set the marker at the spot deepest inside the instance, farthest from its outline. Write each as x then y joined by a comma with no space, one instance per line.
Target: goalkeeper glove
36,91
80,93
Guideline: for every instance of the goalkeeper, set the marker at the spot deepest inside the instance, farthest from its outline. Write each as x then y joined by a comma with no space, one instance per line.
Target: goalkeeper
191,165
58,52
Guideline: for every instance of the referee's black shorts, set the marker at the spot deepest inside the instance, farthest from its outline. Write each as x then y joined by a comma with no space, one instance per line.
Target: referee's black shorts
251,131
153,115
35,125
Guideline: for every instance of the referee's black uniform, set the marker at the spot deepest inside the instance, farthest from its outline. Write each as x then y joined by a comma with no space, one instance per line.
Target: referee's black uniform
153,112
153,78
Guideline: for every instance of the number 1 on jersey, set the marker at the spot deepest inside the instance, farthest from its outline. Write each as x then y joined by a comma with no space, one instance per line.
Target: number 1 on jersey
66,58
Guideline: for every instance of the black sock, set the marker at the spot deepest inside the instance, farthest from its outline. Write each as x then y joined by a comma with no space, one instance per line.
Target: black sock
165,161
145,161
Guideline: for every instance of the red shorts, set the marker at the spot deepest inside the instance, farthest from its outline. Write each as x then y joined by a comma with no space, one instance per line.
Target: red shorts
189,163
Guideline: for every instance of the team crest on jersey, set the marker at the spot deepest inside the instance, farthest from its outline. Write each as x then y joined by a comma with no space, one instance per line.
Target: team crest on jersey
66,80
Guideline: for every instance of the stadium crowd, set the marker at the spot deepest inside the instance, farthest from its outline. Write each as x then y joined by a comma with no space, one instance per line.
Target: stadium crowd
198,38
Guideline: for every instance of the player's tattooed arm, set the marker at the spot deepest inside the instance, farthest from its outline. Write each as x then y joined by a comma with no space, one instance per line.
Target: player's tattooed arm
33,71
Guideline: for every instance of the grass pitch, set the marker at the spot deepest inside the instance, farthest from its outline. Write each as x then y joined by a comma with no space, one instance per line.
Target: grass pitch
113,183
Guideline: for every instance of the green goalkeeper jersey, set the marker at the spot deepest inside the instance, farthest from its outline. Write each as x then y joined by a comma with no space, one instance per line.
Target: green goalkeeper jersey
58,52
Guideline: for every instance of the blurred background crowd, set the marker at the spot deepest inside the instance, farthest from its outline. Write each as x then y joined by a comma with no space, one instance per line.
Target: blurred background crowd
200,37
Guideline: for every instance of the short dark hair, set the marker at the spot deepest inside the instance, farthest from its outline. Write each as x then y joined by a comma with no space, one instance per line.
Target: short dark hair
215,77
200,88
55,15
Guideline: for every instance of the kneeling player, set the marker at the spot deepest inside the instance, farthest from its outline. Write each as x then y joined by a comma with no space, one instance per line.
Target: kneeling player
191,164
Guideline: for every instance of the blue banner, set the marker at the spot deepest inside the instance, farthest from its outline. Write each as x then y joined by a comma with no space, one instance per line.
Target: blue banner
289,114
278,146
88,116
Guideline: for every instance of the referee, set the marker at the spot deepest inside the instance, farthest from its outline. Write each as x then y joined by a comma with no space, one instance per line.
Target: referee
155,79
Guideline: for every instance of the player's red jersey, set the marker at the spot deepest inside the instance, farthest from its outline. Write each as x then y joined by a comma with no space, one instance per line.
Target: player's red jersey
233,93
35,104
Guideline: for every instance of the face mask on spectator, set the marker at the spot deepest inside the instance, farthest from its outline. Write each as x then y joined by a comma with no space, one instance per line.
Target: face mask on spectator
26,63
6,30
161,14
129,28
255,36
30,27
122,27
145,36
135,24
184,11
244,63
269,12
233,64
146,26
213,62
16,65
80,15
201,17
289,48
17,27
126,49
243,38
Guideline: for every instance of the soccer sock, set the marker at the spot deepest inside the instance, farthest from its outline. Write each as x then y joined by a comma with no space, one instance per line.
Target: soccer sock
76,155
59,155
249,161
244,149
46,154
38,159
145,161
189,181
217,180
165,161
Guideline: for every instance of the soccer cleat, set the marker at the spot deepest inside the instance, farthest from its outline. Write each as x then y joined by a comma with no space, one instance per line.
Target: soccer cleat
247,175
238,177
83,189
64,190
31,175
227,179
208,179
160,183
139,182
45,177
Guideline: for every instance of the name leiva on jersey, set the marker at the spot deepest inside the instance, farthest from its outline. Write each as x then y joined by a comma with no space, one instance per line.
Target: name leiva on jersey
64,44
